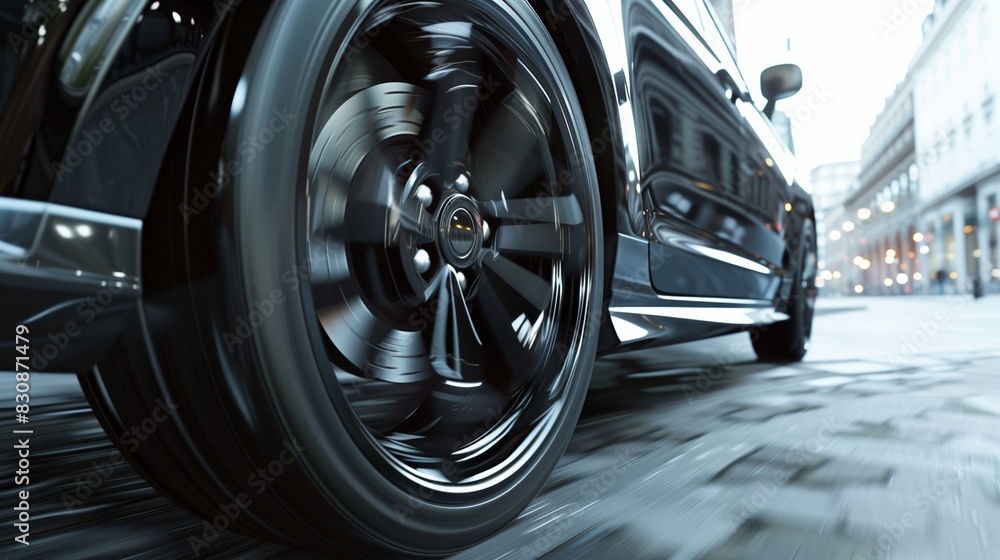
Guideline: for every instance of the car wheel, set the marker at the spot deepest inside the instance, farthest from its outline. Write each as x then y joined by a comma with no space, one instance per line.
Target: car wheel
788,341
380,330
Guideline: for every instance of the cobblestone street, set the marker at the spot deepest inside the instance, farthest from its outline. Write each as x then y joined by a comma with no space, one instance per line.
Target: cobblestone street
884,443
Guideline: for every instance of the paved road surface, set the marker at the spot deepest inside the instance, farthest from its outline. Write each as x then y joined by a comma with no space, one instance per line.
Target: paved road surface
884,443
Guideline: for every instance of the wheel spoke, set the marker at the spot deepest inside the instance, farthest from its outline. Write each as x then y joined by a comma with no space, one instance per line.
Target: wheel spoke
369,223
373,349
382,405
456,349
327,270
443,414
543,209
514,333
371,68
454,86
507,155
446,130
527,284
371,218
416,221
342,157
355,130
541,240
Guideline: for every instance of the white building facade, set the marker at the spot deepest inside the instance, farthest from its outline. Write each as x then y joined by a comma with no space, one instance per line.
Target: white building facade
956,80
831,184
925,217
885,257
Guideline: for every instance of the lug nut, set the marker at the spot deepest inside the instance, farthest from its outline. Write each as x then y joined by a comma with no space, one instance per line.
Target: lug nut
424,195
486,230
422,261
462,183
462,282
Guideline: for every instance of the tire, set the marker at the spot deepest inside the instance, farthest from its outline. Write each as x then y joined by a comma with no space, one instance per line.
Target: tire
376,336
789,340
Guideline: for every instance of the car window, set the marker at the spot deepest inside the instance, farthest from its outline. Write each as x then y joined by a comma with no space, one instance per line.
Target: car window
713,26
718,40
689,9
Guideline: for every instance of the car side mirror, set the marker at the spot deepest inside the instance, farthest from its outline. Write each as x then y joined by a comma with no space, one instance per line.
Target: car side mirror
779,82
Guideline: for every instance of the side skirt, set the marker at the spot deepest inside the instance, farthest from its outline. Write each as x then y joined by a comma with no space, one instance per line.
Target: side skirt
639,317
70,276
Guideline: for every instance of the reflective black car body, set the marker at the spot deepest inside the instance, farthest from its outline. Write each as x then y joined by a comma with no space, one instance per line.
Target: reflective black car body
705,229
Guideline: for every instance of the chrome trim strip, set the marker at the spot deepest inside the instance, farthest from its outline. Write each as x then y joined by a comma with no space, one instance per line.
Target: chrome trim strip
719,301
636,323
725,315
732,259
638,313
628,331
69,242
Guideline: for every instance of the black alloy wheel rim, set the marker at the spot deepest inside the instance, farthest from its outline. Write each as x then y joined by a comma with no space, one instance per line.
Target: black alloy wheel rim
450,227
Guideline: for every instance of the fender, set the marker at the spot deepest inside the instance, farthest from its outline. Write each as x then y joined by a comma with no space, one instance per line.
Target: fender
594,55
111,96
88,110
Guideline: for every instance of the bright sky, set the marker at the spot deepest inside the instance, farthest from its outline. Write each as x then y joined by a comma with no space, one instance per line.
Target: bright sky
852,54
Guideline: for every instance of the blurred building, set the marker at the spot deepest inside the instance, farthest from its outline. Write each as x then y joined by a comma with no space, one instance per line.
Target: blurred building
831,184
924,216
883,256
955,84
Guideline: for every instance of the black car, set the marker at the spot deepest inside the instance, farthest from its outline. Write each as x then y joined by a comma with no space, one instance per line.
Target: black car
336,273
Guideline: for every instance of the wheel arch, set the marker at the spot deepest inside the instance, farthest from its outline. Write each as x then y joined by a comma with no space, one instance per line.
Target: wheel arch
804,213
571,25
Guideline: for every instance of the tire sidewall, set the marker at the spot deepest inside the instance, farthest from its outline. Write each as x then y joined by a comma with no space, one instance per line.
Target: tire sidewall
802,303
281,364
801,319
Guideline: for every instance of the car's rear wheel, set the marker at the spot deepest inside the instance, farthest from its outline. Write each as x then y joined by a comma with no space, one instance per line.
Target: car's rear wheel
788,340
394,299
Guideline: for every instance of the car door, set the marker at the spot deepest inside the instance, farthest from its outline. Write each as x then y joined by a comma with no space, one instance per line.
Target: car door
711,187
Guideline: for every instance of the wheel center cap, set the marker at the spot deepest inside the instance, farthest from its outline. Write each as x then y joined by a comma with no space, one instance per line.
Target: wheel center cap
460,229
462,232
